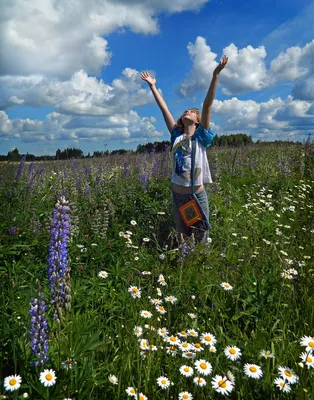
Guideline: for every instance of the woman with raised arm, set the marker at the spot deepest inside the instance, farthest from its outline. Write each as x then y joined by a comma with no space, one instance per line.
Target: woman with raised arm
192,125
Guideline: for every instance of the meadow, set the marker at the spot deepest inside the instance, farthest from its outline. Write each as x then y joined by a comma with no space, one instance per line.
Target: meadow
98,301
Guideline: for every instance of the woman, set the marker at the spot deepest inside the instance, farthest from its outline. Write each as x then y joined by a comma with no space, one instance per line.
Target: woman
192,125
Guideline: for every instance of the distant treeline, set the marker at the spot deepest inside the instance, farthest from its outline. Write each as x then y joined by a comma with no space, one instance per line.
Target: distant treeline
234,140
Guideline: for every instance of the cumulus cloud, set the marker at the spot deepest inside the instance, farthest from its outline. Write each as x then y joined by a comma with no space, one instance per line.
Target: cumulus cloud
82,94
56,126
265,120
246,69
57,38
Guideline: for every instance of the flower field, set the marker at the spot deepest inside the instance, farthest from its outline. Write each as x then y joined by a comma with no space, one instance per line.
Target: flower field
98,301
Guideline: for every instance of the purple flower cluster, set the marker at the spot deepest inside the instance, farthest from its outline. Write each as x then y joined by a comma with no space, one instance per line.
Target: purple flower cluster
144,178
21,168
58,253
186,247
39,330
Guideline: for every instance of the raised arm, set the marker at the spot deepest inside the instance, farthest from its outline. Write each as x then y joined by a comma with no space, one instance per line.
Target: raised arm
159,100
207,105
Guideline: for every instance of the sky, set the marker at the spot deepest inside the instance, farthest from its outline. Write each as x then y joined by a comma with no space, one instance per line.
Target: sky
70,70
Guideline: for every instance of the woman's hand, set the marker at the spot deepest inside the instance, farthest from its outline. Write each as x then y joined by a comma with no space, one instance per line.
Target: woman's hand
149,79
223,62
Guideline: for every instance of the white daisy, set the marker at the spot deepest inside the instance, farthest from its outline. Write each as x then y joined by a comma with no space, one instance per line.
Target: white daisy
208,339
144,345
12,382
192,332
203,367
161,280
232,352
226,286
199,381
103,274
162,331
146,239
113,379
131,391
171,350
197,347
159,292
135,292
183,334
142,396
185,370
282,385
146,314
188,354
185,396
307,342
212,349
253,371
138,331
48,377
222,384
171,299
173,340
155,302
288,374
161,309
308,359
266,354
192,315
163,382
133,222
185,346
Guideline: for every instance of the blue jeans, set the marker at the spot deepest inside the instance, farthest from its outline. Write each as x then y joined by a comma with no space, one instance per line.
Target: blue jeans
177,200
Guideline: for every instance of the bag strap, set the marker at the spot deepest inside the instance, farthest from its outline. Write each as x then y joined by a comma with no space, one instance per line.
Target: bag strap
192,165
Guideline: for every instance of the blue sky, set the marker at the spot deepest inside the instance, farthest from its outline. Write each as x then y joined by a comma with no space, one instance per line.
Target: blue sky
69,72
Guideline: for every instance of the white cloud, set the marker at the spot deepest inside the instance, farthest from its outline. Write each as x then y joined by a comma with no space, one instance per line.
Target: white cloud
275,118
82,94
245,71
57,38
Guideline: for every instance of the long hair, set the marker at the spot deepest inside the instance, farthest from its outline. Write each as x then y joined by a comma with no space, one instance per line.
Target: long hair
180,125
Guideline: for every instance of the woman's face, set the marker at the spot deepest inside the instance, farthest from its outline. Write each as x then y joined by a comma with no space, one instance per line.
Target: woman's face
191,115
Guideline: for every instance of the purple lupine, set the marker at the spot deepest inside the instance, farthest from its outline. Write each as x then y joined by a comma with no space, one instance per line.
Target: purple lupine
39,330
13,230
144,178
21,168
186,247
58,254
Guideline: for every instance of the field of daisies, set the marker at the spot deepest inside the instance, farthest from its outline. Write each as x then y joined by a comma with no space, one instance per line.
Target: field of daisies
100,301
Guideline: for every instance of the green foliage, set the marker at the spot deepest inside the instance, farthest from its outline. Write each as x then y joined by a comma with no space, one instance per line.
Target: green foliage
262,210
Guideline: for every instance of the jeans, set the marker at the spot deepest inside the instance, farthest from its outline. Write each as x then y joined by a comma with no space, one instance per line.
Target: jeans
177,200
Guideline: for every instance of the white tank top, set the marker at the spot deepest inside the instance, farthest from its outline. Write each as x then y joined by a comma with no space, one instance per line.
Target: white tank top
181,162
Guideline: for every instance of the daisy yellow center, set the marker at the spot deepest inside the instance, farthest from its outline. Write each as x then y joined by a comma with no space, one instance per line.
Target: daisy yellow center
163,331
200,380
189,354
173,339
161,308
132,391
183,333
171,348
134,290
288,373
49,377
197,345
185,345
12,382
186,369
185,396
226,285
311,344
142,397
222,384
232,351
253,369
203,365
208,338
163,381
192,333
170,298
282,384
309,359
69,362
